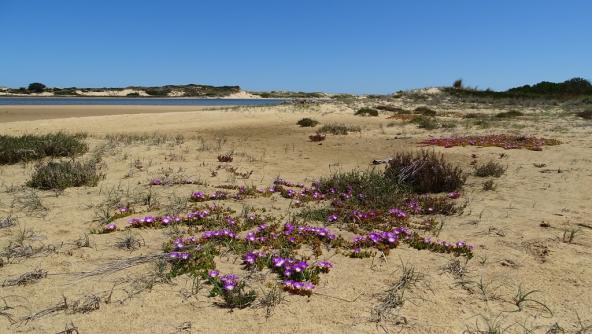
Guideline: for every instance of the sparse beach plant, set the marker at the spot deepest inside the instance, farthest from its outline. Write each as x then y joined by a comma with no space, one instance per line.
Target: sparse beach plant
490,168
366,112
307,122
14,149
59,175
425,172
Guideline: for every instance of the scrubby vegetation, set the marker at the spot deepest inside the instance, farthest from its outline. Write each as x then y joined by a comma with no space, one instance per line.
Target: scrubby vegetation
425,111
509,114
425,172
571,88
366,112
490,168
425,122
14,149
59,175
307,122
339,129
391,108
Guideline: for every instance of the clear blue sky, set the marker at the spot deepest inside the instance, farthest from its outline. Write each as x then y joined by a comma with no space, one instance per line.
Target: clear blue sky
321,45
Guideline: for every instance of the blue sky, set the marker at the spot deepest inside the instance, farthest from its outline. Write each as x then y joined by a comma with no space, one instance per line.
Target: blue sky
334,46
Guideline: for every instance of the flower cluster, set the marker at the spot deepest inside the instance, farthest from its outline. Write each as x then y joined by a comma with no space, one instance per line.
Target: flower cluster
299,288
397,213
388,238
306,230
153,221
179,256
250,258
499,140
282,182
223,234
434,245
109,228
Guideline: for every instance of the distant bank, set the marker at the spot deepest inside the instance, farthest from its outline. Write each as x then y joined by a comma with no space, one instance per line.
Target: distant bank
135,101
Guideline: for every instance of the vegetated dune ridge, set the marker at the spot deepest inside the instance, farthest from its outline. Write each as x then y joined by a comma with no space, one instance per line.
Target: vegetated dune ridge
520,230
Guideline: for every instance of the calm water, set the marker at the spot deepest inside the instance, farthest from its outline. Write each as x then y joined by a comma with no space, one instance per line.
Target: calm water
114,101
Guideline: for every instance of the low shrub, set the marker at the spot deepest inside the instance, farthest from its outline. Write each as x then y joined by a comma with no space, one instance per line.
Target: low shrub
425,172
307,122
379,192
491,168
424,122
394,109
14,149
509,114
586,114
425,111
366,112
339,129
59,175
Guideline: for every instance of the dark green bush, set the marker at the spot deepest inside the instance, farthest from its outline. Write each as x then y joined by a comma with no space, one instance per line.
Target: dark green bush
307,122
509,114
491,168
366,112
158,91
425,111
36,87
458,84
133,94
425,172
65,174
14,149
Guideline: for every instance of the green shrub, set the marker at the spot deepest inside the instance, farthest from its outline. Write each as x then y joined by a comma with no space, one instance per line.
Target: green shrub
59,175
425,172
424,122
425,111
509,114
379,192
133,94
587,114
339,129
366,112
458,84
36,87
158,91
394,109
14,149
307,122
491,168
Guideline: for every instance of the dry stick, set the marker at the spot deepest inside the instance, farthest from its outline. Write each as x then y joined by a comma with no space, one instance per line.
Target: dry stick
62,306
26,278
120,265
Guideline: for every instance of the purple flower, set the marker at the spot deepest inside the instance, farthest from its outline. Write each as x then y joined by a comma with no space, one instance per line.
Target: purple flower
155,182
213,273
198,196
332,218
454,195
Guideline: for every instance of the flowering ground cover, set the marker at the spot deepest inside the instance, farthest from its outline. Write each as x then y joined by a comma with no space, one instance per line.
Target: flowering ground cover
268,243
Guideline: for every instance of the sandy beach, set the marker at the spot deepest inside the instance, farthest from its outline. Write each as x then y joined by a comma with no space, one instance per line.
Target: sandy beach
517,229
